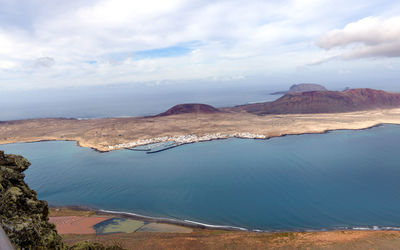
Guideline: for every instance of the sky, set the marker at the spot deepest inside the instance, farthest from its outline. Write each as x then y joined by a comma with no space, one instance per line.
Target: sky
74,43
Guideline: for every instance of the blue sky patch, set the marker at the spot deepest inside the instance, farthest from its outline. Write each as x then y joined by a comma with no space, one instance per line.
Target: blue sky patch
91,62
172,51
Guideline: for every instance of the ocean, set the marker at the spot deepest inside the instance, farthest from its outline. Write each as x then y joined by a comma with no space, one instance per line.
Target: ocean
338,180
124,100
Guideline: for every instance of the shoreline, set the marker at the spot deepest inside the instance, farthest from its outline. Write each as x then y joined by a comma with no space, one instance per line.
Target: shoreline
170,139
223,137
109,134
228,228
170,221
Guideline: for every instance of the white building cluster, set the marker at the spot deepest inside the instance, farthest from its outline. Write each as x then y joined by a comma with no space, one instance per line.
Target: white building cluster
184,139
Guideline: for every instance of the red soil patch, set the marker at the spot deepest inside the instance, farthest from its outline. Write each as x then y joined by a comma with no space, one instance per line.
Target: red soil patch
76,224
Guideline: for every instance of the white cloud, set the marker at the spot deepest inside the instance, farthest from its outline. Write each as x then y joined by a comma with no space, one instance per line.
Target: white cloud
44,62
92,41
322,60
368,37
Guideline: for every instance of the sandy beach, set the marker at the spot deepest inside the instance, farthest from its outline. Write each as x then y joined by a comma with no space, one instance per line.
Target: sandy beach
76,220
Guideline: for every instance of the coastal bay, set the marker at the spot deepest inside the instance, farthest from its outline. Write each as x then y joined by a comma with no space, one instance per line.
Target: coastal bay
340,180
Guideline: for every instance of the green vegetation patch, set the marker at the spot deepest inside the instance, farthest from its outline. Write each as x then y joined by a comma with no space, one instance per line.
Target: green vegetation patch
164,228
118,225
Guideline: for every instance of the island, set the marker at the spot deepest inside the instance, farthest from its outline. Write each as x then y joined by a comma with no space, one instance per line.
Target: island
293,113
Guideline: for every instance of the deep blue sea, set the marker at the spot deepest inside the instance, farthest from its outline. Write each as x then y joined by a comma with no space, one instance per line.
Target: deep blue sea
341,179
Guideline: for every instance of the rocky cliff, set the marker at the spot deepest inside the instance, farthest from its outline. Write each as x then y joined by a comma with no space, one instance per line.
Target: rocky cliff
23,217
325,102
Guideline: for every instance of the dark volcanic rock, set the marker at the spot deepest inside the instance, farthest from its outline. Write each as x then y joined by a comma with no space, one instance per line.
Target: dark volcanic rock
22,216
326,102
302,87
189,108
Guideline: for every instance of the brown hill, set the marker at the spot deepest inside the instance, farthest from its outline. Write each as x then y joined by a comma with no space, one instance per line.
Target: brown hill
189,108
325,102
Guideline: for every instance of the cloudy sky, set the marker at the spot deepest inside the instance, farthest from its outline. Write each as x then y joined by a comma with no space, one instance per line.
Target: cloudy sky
58,43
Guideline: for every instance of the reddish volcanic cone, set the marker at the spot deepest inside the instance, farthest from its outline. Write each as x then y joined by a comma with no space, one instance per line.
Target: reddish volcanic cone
190,108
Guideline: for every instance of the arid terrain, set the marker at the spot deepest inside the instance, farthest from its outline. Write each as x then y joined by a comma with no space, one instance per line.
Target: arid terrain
102,133
242,240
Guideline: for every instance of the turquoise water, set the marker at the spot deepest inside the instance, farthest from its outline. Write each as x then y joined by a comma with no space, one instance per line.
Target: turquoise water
315,181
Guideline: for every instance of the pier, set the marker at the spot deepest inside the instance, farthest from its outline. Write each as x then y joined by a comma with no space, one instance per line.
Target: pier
162,149
139,149
155,147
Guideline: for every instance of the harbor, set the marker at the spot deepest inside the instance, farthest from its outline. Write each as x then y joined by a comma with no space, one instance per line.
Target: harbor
155,147
173,141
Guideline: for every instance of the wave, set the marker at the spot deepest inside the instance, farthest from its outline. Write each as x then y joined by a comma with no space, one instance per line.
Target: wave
217,226
134,214
376,228
191,223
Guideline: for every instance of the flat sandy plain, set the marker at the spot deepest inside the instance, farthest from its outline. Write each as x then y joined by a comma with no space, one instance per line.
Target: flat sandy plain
100,134
213,239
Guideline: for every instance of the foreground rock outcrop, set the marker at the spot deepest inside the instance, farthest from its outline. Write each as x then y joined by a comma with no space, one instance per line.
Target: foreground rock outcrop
23,217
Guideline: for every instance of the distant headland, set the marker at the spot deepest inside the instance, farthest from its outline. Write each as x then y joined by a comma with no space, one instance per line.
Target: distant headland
302,87
323,101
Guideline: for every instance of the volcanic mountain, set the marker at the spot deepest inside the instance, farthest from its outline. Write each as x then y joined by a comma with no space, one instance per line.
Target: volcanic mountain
325,102
189,108
302,87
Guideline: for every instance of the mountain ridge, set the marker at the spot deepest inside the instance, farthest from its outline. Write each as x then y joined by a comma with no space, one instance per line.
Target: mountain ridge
325,102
